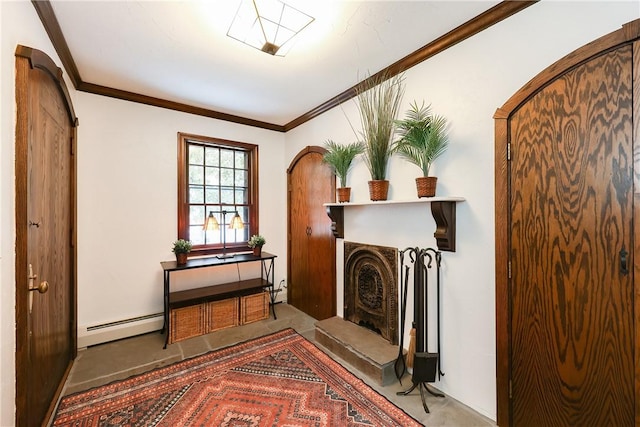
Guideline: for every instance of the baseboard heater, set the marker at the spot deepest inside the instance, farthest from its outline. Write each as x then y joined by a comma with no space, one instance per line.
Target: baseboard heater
111,331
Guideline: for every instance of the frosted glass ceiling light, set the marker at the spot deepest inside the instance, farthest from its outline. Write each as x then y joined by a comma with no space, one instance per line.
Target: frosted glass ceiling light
268,25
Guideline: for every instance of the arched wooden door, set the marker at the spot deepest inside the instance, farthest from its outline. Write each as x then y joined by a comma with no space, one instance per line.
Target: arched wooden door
311,265
45,236
565,241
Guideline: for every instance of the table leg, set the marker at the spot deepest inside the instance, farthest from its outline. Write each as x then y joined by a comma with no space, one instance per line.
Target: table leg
270,276
165,326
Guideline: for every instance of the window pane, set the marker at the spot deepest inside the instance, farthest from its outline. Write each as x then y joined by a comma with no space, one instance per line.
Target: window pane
226,177
241,196
196,175
212,156
226,158
236,236
241,160
196,235
213,236
212,195
196,194
212,176
242,178
226,196
196,215
196,154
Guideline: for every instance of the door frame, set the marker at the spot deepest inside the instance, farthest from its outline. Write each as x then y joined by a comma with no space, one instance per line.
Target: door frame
28,59
629,33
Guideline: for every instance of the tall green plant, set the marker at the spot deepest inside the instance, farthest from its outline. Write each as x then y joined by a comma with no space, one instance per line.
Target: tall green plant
423,137
378,100
340,157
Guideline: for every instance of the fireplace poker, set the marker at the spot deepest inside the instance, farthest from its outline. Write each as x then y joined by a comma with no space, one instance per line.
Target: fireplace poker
401,365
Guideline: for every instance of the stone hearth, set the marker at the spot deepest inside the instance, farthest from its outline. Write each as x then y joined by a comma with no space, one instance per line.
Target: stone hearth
360,347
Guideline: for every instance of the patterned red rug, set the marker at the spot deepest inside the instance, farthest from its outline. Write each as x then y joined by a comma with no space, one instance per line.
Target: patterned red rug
278,379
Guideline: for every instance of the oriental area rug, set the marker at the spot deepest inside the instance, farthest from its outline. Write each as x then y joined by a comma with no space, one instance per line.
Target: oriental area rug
276,380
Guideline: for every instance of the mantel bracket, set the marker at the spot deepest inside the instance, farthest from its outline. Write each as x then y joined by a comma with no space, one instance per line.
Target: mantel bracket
336,213
444,214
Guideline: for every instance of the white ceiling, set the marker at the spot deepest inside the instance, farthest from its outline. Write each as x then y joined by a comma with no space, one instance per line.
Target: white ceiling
179,51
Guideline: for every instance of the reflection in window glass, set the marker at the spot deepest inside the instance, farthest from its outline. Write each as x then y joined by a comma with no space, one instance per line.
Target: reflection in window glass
226,177
196,154
226,158
196,195
212,156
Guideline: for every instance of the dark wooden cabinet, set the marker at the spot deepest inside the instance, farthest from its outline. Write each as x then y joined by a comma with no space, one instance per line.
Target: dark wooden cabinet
311,264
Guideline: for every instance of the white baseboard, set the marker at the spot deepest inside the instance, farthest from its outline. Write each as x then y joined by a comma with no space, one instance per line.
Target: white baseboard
98,334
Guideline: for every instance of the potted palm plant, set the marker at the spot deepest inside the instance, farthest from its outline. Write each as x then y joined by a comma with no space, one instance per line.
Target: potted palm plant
422,139
378,100
340,157
181,248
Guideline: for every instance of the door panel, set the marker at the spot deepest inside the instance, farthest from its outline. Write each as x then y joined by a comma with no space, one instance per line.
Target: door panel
298,288
45,218
321,242
311,263
572,319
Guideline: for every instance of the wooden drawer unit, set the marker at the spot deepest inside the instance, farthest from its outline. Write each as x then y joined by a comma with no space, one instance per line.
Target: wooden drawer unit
222,314
254,307
187,322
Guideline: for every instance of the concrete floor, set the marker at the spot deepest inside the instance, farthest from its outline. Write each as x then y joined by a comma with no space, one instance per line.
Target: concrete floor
102,364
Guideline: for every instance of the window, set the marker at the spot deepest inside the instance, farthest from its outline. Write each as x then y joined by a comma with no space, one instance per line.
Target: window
219,177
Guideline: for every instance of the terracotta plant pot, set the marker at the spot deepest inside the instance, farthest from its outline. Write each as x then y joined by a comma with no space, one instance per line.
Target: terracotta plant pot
378,189
426,186
181,259
257,251
344,194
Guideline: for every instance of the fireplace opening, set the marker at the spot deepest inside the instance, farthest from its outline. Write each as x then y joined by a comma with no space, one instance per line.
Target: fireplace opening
371,288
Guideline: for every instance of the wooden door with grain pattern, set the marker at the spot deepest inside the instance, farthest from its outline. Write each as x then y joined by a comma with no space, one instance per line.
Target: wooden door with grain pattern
45,236
571,242
311,263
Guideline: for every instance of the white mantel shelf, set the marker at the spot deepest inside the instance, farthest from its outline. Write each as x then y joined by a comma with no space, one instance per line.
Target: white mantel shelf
443,210
398,202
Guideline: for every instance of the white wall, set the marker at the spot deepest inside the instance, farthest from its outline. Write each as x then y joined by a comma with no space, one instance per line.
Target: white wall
466,83
127,208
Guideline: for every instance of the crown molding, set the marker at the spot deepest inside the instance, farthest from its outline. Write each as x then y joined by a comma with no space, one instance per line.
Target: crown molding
481,22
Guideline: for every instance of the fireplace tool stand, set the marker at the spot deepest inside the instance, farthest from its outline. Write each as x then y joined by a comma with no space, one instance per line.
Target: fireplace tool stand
425,365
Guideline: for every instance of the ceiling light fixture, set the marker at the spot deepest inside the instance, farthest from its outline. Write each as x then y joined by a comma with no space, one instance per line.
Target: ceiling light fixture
268,25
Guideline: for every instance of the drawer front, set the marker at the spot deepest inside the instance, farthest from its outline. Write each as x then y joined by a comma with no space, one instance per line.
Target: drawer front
254,307
187,322
222,314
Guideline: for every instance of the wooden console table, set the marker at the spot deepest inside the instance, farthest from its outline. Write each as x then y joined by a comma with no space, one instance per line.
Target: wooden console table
215,292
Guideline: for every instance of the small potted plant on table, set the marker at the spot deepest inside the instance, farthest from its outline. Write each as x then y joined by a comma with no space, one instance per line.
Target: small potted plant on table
423,138
339,158
181,248
256,242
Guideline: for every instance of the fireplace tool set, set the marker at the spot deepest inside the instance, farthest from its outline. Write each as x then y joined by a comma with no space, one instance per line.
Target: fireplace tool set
425,365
